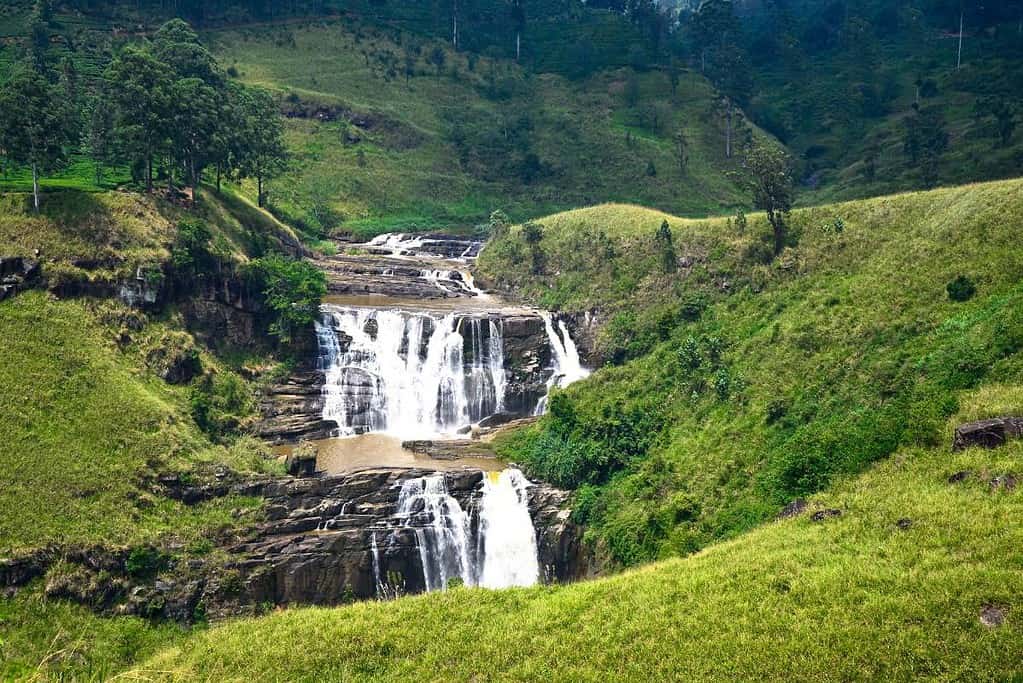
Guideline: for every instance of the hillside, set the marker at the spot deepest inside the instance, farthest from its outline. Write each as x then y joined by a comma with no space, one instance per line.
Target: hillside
99,398
906,570
737,384
452,143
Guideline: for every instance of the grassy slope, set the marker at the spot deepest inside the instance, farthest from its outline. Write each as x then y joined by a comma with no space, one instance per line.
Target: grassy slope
82,418
578,128
852,598
844,349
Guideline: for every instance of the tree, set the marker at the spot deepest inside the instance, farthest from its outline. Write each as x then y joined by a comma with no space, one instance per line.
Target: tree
666,248
518,20
438,57
263,155
768,176
1004,115
178,46
140,88
681,150
39,33
925,140
291,289
35,124
196,119
100,137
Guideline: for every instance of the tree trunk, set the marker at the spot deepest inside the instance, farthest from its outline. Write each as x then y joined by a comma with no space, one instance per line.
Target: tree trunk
778,225
454,24
35,186
518,45
259,191
149,173
728,130
959,56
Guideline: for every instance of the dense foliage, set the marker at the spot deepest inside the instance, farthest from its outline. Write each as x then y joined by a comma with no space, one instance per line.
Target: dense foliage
162,107
739,383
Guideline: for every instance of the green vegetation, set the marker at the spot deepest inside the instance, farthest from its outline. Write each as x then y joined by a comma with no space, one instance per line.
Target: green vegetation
375,151
292,290
741,382
796,599
82,427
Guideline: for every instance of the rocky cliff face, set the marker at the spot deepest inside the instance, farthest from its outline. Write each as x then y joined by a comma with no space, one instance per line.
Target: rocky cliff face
325,541
318,547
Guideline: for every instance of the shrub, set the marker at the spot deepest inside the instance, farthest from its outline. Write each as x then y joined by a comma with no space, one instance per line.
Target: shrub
961,289
292,291
145,561
219,404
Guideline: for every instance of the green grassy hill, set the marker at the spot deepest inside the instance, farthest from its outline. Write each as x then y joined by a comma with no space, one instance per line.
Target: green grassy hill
455,143
737,384
86,419
853,597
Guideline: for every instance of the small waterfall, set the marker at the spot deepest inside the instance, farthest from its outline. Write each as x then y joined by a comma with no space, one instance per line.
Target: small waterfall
442,531
567,365
506,532
504,553
412,374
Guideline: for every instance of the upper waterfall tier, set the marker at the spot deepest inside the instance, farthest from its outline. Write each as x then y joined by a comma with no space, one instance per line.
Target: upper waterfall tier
409,373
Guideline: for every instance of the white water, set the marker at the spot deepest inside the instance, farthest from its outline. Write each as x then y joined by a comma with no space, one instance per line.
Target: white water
568,367
506,530
503,552
444,537
411,374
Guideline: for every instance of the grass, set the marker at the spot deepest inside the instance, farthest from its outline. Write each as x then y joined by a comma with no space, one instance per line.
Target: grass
851,598
81,426
409,172
722,403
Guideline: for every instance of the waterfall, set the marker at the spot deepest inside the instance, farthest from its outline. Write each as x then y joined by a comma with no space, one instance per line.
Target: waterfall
443,536
506,530
500,553
565,356
409,373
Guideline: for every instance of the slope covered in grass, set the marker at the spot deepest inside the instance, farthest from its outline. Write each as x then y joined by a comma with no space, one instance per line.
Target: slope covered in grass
735,385
850,598
80,425
454,143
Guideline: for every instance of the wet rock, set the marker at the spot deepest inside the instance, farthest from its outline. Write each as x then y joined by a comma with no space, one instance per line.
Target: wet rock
453,449
292,410
991,433
993,616
793,509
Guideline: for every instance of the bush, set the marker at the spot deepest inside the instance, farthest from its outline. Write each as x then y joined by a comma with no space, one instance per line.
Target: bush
220,403
961,289
292,291
145,561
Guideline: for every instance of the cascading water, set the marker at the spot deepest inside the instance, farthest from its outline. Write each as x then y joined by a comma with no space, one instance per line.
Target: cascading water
506,532
499,553
568,367
442,531
409,373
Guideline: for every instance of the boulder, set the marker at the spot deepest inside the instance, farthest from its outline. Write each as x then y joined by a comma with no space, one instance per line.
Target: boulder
992,433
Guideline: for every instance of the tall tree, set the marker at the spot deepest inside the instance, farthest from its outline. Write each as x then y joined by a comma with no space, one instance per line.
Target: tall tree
36,129
141,89
263,156
767,174
925,140
196,121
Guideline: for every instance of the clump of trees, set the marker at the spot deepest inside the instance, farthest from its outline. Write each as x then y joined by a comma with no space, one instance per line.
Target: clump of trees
163,108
